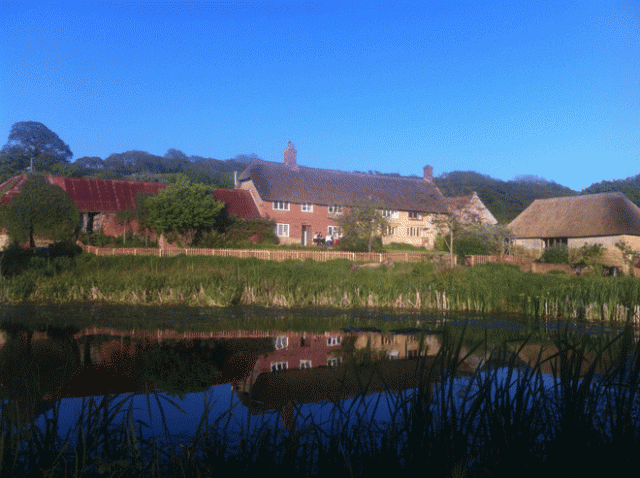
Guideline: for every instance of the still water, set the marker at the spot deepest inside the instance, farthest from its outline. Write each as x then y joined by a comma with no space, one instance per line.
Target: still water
177,368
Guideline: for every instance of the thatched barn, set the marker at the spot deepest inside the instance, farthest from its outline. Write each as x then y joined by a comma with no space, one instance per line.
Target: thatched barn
605,218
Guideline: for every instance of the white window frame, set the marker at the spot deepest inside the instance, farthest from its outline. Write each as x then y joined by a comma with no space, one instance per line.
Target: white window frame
416,215
391,231
305,364
280,205
334,361
281,342
335,230
414,232
335,209
334,340
391,213
281,230
277,366
306,207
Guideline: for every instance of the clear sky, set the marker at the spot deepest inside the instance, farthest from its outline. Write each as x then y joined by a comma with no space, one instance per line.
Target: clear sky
505,88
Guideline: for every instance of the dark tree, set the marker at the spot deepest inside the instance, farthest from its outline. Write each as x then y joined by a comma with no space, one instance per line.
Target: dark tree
175,154
33,139
91,162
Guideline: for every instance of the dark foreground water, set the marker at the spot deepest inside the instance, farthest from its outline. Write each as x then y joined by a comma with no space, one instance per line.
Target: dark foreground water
173,369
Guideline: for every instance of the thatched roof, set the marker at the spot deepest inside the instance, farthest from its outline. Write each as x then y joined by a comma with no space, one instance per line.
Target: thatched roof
299,184
606,214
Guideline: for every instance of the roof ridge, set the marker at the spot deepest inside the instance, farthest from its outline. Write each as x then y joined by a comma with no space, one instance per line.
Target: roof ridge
338,171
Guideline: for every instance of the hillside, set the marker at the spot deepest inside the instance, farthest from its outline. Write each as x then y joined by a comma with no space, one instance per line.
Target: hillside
505,199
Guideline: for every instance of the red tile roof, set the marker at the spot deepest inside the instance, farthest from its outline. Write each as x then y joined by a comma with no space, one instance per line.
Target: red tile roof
238,202
108,195
90,194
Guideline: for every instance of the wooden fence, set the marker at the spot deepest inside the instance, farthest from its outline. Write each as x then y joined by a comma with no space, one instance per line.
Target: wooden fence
270,254
498,258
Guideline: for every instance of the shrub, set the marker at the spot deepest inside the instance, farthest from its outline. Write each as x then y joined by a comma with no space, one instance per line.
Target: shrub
360,245
557,254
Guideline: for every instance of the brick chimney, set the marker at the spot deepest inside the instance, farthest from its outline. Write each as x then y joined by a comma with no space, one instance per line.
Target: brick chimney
427,173
290,156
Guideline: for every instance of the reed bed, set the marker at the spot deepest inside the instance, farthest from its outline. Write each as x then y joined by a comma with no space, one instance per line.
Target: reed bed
212,281
504,417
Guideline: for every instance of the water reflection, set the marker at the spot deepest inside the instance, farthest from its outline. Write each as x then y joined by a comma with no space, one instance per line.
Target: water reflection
268,371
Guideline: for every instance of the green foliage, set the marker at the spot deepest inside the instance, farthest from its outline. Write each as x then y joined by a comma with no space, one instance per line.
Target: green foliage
40,209
587,254
556,254
482,239
505,199
255,230
184,208
347,243
363,222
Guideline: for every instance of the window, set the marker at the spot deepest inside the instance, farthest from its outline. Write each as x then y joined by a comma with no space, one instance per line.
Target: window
335,209
306,207
414,215
388,340
392,213
305,364
335,231
413,231
554,241
281,343
412,353
275,366
333,341
334,361
390,231
280,205
281,230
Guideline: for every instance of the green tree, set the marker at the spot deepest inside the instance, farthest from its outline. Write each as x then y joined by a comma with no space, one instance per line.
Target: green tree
364,221
184,208
449,228
40,209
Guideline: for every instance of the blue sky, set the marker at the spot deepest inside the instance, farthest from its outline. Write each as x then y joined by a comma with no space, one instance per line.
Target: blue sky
550,88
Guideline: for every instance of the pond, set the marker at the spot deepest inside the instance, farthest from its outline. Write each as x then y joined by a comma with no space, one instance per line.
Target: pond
167,374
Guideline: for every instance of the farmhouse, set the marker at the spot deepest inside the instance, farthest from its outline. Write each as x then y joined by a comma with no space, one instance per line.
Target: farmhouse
100,199
605,218
470,210
304,201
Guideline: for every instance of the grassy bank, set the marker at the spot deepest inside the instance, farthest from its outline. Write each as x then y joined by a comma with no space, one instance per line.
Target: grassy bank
213,281
499,420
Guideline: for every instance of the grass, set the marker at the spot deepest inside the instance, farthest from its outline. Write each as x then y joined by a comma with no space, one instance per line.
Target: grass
218,281
499,419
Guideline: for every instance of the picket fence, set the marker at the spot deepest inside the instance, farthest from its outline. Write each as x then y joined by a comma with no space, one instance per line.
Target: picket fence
270,254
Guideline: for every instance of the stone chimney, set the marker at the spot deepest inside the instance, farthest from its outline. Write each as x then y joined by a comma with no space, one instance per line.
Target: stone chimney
290,156
427,173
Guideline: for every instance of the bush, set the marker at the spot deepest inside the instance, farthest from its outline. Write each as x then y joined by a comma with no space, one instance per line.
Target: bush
360,245
558,254
470,245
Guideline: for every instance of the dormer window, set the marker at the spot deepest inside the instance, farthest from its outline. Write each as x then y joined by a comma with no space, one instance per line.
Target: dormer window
306,207
391,213
335,209
414,215
280,205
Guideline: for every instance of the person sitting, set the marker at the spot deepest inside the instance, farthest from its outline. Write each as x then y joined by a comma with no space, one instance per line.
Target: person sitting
328,241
